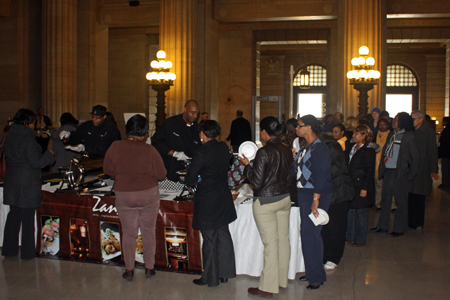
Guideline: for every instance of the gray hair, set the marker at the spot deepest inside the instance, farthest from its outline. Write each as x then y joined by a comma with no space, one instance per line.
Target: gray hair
419,113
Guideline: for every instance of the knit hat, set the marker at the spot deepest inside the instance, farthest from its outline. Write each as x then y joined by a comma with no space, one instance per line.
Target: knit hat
376,109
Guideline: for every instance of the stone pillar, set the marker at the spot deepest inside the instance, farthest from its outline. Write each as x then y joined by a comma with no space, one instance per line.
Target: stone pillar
178,40
59,58
362,23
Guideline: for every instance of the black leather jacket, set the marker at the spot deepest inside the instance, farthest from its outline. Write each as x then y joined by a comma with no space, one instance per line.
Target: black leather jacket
270,174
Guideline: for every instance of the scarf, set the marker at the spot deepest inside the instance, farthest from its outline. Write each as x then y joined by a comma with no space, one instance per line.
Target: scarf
390,145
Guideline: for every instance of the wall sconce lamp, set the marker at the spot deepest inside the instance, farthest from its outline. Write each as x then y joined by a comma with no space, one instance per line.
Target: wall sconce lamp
363,77
304,79
160,79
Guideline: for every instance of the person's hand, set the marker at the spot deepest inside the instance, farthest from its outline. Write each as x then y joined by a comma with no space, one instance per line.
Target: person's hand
244,160
63,135
180,155
363,194
435,176
314,207
294,153
78,148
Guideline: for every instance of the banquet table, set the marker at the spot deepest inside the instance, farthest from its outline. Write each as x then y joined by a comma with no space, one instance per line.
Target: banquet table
249,249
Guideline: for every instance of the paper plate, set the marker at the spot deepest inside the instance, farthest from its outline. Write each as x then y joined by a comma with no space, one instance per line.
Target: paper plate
248,149
325,215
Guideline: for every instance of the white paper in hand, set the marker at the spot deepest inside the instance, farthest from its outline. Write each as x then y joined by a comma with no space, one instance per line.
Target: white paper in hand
322,219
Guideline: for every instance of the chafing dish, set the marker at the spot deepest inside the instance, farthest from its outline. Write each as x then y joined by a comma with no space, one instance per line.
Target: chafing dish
82,173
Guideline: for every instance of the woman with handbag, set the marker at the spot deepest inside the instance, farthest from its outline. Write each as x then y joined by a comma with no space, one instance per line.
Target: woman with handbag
22,188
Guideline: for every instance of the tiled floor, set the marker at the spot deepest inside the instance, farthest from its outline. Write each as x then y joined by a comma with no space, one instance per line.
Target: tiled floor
414,266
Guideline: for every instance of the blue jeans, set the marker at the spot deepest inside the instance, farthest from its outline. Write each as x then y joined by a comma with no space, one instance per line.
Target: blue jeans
357,225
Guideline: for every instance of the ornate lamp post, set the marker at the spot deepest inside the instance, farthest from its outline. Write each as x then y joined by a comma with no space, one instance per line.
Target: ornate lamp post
160,79
363,77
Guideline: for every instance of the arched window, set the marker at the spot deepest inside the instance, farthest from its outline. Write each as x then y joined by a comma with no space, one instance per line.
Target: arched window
312,100
402,89
317,76
398,75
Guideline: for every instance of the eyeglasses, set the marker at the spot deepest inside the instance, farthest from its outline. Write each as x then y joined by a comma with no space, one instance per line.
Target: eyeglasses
300,126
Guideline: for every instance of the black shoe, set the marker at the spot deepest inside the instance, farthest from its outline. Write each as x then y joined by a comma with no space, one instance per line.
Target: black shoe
376,229
314,286
198,282
379,209
128,275
396,234
223,280
149,273
303,278
393,210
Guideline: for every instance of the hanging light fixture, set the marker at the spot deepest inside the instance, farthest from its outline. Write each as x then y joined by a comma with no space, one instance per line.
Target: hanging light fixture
304,79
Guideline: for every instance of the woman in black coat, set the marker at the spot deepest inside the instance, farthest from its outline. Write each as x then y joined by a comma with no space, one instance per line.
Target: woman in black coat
334,233
213,205
22,187
362,171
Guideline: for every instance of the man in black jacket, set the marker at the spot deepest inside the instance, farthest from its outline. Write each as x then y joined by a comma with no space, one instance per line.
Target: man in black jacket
444,153
94,136
240,131
177,139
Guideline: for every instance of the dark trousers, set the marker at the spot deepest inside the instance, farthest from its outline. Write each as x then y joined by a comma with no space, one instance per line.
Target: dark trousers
445,171
218,255
416,210
358,225
392,187
312,245
18,217
333,234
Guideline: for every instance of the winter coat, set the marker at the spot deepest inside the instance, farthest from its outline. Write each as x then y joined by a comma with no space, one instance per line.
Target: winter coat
24,161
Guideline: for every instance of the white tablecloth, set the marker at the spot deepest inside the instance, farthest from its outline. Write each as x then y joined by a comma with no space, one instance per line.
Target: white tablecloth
248,248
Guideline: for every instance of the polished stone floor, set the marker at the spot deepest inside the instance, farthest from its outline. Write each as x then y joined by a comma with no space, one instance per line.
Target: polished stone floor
413,266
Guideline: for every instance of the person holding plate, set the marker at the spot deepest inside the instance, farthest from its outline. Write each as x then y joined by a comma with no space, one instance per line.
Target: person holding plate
137,167
312,169
270,176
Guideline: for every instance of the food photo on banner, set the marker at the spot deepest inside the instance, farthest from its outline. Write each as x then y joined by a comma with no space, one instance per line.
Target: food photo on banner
176,248
110,242
79,238
50,235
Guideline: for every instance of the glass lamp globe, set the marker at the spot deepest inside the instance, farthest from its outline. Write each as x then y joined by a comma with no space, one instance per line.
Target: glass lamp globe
364,50
161,54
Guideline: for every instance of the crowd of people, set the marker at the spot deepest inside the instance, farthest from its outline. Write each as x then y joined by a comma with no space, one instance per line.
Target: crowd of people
342,166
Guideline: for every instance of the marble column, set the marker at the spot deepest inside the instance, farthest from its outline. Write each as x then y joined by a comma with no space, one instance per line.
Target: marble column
362,23
59,58
178,40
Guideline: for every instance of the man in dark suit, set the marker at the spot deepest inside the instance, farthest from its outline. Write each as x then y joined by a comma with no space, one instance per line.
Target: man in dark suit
425,139
240,131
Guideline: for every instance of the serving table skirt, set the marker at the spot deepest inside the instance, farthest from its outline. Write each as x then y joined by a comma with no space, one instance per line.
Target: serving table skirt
94,214
249,249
